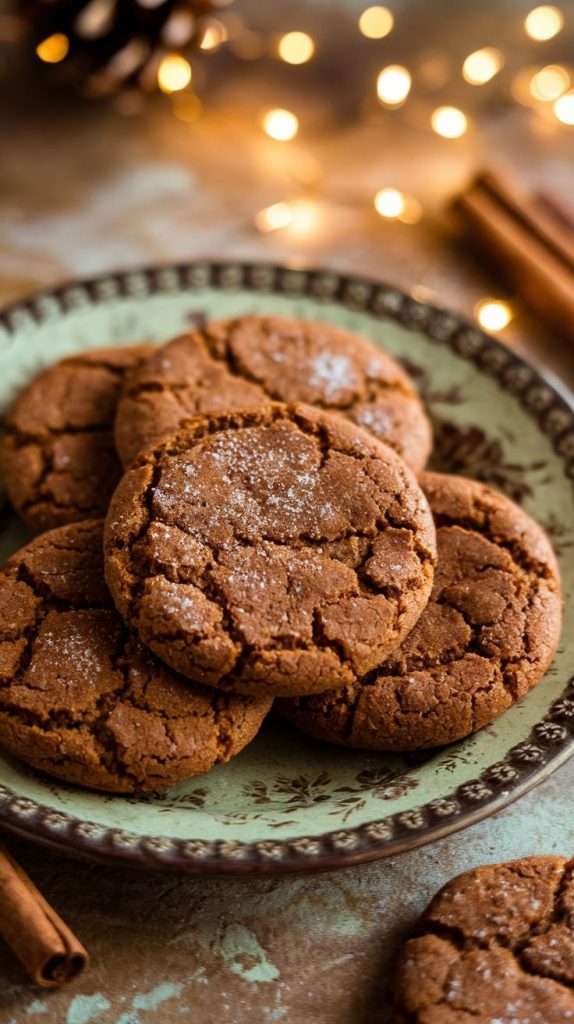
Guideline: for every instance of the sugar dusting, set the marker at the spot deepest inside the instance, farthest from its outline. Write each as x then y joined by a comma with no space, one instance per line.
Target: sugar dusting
332,373
259,481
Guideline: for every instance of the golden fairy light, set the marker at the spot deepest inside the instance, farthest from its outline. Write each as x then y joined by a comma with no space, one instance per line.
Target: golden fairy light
390,203
296,47
564,108
53,49
299,216
482,65
305,217
393,85
274,217
493,314
544,22
549,83
214,35
450,122
376,22
279,124
174,73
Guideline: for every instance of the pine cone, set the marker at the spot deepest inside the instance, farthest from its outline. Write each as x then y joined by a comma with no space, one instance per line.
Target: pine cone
108,45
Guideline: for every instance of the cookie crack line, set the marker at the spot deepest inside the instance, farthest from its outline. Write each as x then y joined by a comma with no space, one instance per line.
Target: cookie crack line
25,438
218,423
238,367
519,554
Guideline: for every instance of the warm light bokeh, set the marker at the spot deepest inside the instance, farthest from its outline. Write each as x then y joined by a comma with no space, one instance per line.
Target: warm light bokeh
174,73
274,217
296,48
564,108
53,49
482,65
390,203
493,314
450,122
544,22
376,22
281,125
393,85
215,34
549,83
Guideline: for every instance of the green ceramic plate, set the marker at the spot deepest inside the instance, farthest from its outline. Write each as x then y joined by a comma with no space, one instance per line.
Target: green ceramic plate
287,803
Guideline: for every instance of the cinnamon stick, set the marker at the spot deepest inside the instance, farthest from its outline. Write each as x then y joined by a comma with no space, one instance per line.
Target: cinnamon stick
532,212
44,944
532,249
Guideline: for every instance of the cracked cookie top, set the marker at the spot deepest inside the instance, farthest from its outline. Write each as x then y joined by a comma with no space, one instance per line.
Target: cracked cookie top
495,945
240,363
487,635
82,699
279,550
59,455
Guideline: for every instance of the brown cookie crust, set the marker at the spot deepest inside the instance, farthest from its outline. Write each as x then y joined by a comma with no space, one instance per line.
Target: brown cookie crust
486,637
239,363
59,455
279,550
83,700
495,944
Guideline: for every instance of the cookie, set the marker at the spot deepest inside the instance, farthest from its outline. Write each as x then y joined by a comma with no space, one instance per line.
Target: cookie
279,550
495,946
59,456
487,636
236,364
83,700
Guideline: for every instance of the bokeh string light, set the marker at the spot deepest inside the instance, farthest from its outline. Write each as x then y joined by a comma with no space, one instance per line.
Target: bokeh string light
393,85
564,108
493,314
54,48
543,87
549,83
376,22
482,65
393,204
281,125
544,23
296,48
174,73
390,203
450,122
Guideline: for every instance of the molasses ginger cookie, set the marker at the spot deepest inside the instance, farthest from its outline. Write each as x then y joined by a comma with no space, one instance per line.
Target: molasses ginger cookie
83,700
486,637
59,455
279,550
240,363
495,946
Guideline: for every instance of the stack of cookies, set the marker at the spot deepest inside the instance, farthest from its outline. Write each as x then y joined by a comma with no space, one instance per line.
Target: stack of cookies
239,517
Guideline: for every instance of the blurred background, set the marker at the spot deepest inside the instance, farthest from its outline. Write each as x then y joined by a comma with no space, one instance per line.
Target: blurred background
316,132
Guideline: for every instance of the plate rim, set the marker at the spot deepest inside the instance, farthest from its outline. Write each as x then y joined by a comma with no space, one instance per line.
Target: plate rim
551,741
